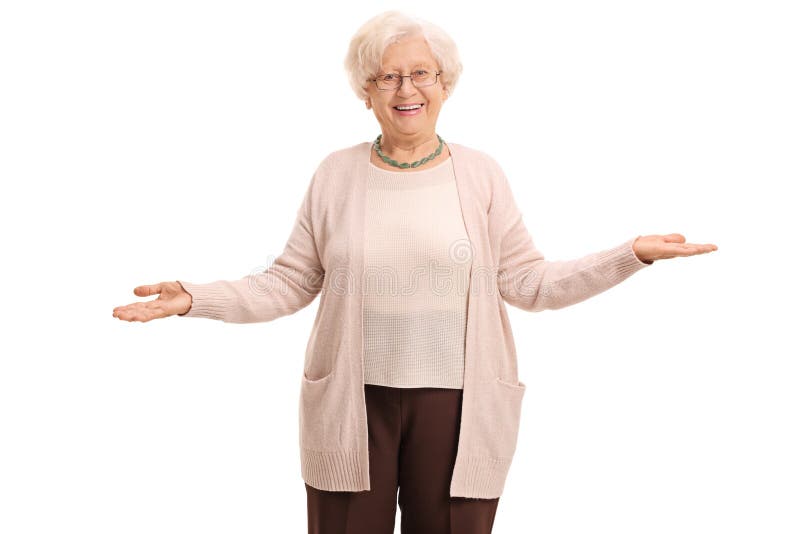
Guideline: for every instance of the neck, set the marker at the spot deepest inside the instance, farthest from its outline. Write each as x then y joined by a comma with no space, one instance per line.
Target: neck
410,148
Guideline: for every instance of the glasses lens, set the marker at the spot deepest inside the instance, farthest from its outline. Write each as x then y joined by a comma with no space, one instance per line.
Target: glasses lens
420,78
389,81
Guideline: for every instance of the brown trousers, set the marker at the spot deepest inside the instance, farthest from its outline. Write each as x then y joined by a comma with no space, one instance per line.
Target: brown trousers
413,438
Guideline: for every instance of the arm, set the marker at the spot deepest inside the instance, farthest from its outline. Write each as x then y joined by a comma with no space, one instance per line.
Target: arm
529,282
289,284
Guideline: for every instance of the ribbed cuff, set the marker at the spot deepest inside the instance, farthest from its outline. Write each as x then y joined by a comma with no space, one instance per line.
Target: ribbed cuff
208,300
620,262
480,477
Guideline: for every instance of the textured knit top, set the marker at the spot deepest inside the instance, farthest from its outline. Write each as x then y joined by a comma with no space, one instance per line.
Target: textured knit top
417,261
325,256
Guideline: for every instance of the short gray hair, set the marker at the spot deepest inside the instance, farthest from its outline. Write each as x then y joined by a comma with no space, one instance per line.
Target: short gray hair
366,49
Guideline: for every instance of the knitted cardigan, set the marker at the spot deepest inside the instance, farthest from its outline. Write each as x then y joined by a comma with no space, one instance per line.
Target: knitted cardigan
324,256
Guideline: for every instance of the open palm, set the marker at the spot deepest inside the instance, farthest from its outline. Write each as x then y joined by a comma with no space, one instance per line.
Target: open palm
649,248
172,300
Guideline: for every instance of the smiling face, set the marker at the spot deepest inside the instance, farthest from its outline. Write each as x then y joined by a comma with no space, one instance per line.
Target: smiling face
404,57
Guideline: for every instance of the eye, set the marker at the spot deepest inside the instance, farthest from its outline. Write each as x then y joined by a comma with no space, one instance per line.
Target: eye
388,77
419,73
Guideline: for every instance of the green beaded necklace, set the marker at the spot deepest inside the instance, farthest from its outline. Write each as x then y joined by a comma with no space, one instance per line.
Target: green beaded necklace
390,161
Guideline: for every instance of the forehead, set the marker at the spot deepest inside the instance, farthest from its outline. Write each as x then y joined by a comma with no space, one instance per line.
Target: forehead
409,52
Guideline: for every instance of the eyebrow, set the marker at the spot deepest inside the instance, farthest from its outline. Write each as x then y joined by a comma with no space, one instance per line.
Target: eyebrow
418,64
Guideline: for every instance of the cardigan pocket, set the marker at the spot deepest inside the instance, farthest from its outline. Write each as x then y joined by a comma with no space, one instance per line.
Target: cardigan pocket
498,415
319,429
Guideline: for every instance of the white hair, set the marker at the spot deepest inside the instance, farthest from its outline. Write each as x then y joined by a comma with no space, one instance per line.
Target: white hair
363,60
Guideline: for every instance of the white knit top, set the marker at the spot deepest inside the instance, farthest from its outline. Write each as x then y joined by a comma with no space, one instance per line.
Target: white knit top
417,264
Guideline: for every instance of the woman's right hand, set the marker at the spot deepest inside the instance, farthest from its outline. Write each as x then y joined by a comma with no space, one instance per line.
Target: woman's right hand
172,300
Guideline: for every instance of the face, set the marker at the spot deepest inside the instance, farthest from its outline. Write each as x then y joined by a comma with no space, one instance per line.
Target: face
405,56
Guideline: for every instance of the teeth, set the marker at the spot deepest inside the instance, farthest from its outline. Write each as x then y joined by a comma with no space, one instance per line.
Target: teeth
404,108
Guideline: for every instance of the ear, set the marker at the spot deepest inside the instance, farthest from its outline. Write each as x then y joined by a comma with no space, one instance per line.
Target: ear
368,102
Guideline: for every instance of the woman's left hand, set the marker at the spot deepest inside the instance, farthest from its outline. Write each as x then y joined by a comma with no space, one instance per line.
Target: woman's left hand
649,248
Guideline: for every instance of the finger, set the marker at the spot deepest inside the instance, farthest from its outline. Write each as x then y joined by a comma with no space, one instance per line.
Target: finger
681,249
119,309
125,312
147,311
145,291
124,315
132,312
126,306
138,305
137,314
672,251
707,247
129,307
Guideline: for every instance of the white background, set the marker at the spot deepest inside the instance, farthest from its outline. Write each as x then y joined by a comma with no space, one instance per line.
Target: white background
149,141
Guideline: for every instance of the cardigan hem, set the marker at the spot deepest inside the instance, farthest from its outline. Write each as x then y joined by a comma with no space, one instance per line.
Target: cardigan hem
475,477
335,470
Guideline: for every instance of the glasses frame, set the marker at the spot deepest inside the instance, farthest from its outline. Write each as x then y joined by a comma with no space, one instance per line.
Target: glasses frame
435,79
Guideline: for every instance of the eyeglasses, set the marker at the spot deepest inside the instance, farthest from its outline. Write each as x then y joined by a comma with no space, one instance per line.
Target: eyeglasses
392,81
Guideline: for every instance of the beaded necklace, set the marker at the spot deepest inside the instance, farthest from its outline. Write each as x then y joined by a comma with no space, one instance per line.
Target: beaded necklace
390,161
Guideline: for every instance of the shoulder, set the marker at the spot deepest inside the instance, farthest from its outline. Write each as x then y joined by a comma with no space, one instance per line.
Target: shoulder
485,172
477,159
337,168
345,158
470,153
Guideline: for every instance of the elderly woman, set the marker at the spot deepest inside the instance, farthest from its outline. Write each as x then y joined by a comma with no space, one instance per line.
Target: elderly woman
414,388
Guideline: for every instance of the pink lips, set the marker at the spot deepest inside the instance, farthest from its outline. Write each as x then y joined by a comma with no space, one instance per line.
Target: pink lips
409,112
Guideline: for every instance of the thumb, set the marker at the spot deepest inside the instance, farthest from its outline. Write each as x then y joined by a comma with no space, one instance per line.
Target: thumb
145,291
674,238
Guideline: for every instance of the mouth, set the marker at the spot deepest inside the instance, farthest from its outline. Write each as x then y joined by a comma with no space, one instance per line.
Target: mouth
408,109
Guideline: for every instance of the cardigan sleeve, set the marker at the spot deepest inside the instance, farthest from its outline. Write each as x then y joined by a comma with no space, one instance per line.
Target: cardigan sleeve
528,281
292,281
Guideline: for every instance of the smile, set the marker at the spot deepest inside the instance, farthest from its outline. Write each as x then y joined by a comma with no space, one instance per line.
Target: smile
409,109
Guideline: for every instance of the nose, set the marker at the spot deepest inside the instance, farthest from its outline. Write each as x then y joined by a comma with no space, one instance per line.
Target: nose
406,89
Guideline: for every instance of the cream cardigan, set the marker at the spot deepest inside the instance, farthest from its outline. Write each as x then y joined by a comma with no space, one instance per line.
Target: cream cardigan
324,255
